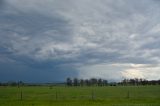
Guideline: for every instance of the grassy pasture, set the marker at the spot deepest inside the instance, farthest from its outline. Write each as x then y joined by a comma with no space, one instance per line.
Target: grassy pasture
80,96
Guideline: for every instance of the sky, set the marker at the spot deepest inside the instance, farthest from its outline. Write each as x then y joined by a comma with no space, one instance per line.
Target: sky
50,40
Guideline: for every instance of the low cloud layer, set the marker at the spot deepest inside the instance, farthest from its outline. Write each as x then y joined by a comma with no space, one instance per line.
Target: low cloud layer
78,38
117,72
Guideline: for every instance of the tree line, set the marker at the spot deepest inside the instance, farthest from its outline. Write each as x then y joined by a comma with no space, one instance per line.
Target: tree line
102,82
86,82
12,83
139,81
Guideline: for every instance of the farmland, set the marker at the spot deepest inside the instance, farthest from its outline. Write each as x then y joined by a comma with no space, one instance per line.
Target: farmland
80,96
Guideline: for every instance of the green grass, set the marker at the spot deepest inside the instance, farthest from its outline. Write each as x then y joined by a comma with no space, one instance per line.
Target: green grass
81,96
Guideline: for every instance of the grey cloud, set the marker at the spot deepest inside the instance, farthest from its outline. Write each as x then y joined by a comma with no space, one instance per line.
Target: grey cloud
80,32
102,29
105,28
25,33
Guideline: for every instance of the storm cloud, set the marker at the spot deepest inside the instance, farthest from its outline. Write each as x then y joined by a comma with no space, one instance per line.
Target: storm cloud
55,39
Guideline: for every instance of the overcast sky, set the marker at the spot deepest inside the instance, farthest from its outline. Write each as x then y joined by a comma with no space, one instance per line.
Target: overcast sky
50,40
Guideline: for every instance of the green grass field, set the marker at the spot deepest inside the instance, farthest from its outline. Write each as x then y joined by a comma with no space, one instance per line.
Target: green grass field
80,96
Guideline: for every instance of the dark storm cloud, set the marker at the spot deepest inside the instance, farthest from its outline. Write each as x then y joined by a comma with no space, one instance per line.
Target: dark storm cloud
2,2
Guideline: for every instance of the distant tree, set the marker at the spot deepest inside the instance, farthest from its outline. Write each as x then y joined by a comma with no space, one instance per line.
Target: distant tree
87,82
145,82
105,82
69,82
124,81
113,84
154,82
75,82
132,82
20,83
82,82
136,81
12,83
100,82
93,81
158,82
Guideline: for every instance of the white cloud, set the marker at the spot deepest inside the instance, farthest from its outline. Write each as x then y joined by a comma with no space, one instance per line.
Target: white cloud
132,73
105,71
149,71
155,29
120,71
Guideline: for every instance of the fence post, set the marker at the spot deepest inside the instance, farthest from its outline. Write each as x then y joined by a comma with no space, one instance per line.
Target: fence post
21,96
128,95
92,95
56,95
